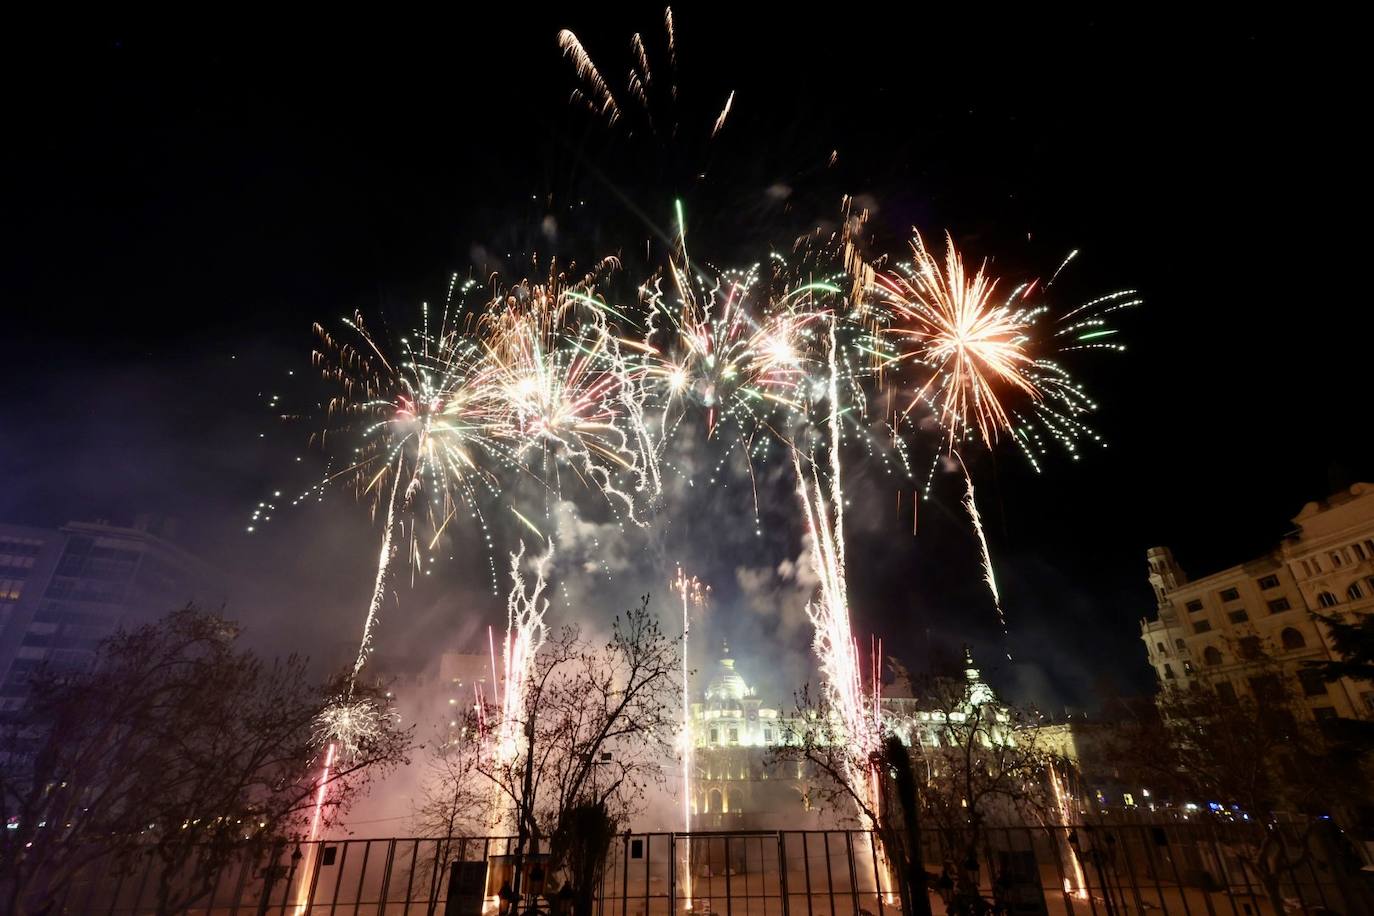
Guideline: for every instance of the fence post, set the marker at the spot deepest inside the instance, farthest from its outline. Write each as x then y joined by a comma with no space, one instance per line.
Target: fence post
782,873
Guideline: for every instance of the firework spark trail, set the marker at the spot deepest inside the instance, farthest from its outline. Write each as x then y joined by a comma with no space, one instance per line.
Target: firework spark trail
1078,886
586,70
316,818
971,506
724,113
834,642
525,634
692,595
388,552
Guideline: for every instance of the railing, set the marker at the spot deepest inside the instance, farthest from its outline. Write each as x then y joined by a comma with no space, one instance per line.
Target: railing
1089,870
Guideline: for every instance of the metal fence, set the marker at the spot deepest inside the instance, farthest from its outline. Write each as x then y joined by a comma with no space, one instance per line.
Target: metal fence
1091,870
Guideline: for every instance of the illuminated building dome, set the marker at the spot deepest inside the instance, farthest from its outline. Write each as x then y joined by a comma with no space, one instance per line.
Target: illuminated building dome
727,685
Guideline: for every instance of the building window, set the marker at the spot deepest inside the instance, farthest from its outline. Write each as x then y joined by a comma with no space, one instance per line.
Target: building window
1226,692
1292,639
1266,688
1229,594
1353,592
11,589
1359,551
1324,712
734,736
1194,606
1326,599
1249,648
1188,667
1211,656
1237,616
1160,647
1202,626
767,736
715,736
1313,685
1180,645
1168,671
1369,546
1269,582
1279,605
1336,559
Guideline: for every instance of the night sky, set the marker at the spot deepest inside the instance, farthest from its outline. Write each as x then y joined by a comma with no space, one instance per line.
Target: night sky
182,201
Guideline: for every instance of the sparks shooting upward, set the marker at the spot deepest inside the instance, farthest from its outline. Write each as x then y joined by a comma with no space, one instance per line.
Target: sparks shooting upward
693,596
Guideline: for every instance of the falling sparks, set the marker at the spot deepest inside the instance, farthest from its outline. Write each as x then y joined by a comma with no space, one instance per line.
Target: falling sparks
971,506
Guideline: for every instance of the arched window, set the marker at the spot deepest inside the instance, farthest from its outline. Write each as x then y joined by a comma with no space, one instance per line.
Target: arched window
1292,639
1326,599
713,802
1353,592
735,803
1211,655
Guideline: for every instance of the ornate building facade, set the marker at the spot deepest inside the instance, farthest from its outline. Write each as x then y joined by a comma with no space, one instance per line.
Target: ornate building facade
1236,630
740,784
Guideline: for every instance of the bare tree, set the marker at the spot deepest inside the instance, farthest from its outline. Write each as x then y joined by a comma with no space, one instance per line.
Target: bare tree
176,746
455,802
598,725
971,763
1256,748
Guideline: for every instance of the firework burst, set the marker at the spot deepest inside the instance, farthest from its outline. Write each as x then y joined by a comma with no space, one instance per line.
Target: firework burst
992,368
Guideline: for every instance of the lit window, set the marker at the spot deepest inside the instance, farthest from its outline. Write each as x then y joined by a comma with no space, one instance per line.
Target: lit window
1326,599
1230,594
1269,582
